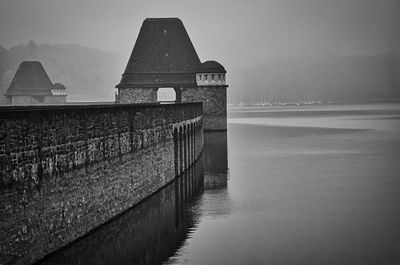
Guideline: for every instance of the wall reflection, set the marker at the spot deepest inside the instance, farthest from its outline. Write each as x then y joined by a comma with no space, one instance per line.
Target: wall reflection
149,233
154,230
215,160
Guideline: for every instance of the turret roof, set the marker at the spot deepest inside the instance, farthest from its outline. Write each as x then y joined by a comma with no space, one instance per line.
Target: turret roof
211,67
58,86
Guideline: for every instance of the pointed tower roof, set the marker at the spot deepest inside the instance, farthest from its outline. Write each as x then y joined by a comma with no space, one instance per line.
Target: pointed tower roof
30,80
163,55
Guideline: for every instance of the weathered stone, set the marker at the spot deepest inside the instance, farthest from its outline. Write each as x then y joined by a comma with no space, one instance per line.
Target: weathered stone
164,56
138,95
65,170
214,105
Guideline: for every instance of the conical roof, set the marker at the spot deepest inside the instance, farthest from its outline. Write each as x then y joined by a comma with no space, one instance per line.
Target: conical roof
30,80
163,55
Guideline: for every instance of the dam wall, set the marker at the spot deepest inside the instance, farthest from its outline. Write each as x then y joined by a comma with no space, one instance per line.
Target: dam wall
67,169
214,105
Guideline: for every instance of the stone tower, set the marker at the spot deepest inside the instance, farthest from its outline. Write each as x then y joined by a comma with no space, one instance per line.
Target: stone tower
164,57
59,93
32,85
211,90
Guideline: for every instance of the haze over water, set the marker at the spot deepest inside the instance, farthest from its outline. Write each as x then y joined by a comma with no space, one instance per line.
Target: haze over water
306,185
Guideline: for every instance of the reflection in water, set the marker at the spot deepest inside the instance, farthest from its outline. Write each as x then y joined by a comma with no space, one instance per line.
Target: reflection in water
301,192
156,229
215,201
147,234
214,204
216,160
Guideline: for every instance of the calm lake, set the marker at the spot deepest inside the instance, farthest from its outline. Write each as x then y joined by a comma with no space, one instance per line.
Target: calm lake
305,185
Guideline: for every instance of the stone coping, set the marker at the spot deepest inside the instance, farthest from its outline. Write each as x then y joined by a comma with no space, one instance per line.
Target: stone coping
94,105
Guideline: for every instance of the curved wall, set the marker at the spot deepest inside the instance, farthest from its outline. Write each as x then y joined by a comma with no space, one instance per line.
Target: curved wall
68,169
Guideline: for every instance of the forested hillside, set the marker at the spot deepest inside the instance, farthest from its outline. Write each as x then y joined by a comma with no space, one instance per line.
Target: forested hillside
89,74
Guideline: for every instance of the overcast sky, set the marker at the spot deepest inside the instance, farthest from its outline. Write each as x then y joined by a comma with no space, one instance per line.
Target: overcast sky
230,31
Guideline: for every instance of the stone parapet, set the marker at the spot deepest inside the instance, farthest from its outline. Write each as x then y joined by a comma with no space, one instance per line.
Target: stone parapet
67,169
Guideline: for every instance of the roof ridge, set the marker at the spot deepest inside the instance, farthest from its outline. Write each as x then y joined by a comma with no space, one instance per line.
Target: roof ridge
163,18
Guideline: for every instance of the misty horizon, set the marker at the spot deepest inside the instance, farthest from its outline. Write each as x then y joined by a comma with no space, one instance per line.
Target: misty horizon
199,132
91,74
266,46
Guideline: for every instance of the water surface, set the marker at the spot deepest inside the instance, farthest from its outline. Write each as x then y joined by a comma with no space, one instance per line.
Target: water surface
306,185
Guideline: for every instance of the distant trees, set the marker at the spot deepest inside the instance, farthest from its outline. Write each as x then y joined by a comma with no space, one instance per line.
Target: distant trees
89,74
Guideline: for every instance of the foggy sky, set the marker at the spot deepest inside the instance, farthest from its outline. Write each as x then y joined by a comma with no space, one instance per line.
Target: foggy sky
236,33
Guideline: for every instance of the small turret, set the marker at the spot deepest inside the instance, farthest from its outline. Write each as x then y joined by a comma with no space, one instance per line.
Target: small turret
211,90
58,89
210,73
58,94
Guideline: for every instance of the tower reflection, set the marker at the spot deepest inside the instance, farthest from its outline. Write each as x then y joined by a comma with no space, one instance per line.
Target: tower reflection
215,160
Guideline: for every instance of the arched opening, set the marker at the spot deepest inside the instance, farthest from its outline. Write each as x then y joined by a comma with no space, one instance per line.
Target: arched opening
166,94
180,140
176,152
189,136
193,144
185,146
195,140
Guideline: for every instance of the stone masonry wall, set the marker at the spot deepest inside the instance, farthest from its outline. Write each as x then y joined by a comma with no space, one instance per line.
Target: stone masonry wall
4,99
24,100
214,105
65,170
55,99
137,95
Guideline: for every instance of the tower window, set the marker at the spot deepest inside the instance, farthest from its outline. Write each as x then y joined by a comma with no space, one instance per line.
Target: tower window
212,77
205,77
